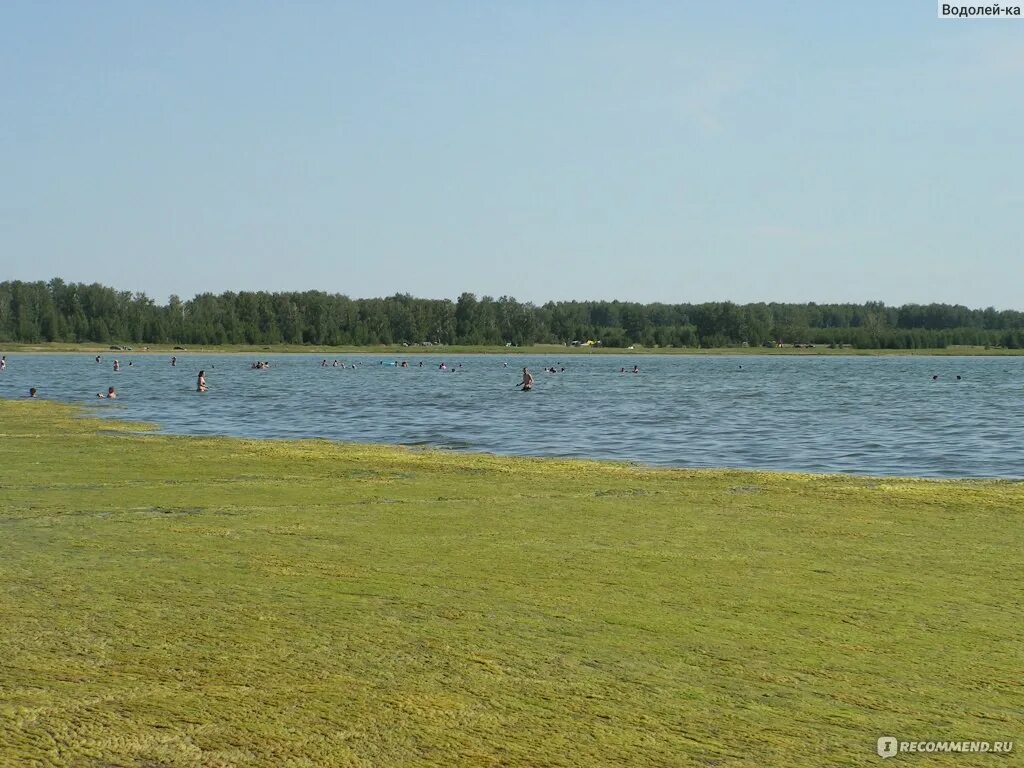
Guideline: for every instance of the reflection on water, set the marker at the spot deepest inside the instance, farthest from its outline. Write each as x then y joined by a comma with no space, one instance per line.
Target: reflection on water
865,415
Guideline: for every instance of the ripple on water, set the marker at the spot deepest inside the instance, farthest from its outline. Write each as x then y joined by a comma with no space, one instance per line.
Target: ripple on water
826,414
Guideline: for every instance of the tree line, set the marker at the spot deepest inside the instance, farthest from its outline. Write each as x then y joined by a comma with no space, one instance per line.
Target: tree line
75,312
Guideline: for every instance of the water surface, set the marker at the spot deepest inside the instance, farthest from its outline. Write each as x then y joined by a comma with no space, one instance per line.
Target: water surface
863,415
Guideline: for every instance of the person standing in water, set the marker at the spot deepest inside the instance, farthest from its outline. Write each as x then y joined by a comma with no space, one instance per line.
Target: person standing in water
201,382
111,394
117,365
174,362
527,382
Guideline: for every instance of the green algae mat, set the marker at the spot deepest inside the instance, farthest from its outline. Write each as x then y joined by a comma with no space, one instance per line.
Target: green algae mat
169,601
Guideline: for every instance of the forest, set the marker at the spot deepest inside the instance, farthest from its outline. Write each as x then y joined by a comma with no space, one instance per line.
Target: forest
57,311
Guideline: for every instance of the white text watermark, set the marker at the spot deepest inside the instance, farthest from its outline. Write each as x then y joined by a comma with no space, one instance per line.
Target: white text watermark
890,746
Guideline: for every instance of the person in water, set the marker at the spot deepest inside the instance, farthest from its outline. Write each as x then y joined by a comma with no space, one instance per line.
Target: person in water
3,363
111,394
636,369
174,361
201,382
32,392
527,382
117,365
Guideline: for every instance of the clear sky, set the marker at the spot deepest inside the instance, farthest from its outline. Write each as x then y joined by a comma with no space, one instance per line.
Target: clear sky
544,149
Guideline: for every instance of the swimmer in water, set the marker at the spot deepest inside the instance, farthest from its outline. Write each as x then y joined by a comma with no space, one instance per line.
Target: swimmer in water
111,394
201,382
636,369
32,392
117,365
527,382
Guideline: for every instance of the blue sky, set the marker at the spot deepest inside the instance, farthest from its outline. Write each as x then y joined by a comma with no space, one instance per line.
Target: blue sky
650,151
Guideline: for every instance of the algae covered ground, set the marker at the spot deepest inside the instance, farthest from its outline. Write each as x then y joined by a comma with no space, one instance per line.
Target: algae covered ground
170,601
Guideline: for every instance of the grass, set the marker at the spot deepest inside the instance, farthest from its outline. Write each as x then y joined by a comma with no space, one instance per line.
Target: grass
172,601
398,351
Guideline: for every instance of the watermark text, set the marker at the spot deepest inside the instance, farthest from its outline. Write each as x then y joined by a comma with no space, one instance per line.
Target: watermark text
890,746
948,10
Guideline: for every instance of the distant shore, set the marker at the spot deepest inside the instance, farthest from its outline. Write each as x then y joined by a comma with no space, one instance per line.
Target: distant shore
457,349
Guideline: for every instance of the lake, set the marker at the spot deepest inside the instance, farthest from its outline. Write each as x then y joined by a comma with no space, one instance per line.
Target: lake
861,415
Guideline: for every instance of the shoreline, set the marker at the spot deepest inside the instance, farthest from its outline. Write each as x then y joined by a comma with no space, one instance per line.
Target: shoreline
535,350
81,412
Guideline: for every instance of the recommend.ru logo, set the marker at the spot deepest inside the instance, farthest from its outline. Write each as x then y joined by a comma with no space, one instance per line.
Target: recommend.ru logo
887,746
